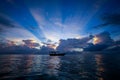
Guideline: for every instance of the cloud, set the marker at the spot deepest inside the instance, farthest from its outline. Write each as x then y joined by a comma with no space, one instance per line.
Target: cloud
98,42
106,43
101,41
117,42
46,49
7,23
67,45
110,19
97,47
8,27
31,43
29,46
102,38
5,43
114,47
4,20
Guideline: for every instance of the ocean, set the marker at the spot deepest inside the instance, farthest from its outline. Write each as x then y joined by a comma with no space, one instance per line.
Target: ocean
82,66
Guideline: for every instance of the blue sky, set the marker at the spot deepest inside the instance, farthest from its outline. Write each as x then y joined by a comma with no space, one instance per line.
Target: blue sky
52,20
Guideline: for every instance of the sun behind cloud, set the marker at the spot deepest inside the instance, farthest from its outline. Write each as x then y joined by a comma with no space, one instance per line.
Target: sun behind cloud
96,40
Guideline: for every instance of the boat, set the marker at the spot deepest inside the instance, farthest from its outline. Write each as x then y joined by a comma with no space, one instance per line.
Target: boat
56,53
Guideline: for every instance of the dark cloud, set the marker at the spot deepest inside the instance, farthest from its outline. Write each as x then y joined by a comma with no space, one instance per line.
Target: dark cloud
46,49
27,42
66,45
110,19
6,43
11,47
17,49
114,47
117,42
104,42
28,47
97,47
104,38
30,43
5,21
49,42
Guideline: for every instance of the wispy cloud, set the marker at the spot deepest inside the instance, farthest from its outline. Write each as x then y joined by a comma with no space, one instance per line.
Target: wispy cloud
110,19
6,22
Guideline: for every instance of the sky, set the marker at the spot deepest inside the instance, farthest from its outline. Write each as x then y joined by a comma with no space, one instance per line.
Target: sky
48,21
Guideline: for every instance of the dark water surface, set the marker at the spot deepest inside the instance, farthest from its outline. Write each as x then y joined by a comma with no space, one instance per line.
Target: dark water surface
85,66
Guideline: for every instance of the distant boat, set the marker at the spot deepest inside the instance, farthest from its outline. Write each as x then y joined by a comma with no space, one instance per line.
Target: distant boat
56,53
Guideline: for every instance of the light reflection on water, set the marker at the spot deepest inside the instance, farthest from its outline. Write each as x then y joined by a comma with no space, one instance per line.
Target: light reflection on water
99,66
84,66
53,65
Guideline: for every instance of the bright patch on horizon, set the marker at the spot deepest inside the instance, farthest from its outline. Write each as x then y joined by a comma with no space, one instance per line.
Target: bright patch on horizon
77,49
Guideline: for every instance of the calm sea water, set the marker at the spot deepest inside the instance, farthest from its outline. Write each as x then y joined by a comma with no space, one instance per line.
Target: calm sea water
84,66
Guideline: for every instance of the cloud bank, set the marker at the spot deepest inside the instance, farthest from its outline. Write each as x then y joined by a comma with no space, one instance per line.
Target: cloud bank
98,42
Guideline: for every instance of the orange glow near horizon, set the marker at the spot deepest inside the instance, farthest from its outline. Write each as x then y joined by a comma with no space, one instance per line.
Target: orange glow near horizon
100,68
96,40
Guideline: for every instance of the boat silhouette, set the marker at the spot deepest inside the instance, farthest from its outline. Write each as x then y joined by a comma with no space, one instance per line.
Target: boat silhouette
56,53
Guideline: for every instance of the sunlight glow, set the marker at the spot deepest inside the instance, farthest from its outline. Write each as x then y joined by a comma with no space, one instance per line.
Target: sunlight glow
53,46
77,49
96,40
78,37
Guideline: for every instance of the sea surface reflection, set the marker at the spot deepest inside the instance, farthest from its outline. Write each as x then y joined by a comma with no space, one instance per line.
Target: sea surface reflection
84,66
